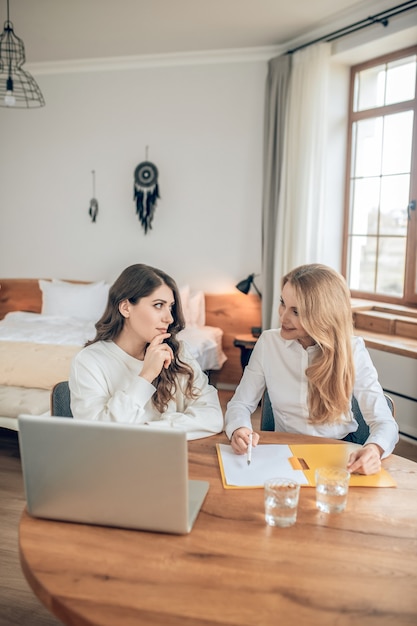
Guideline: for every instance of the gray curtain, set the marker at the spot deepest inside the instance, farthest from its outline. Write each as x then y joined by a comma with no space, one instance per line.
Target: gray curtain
276,92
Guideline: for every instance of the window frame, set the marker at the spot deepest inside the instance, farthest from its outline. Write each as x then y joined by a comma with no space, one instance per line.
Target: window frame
410,277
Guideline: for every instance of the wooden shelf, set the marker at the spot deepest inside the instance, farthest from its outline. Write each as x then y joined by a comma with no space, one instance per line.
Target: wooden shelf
385,327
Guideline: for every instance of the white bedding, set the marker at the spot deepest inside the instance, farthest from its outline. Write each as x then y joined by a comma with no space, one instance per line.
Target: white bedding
66,331
204,342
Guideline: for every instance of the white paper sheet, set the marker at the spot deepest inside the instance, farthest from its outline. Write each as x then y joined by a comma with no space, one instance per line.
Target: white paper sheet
268,461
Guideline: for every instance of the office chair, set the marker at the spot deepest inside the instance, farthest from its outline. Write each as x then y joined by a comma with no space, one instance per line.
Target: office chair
268,423
60,400
267,416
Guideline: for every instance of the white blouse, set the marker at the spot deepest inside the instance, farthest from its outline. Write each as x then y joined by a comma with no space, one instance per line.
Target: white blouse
279,365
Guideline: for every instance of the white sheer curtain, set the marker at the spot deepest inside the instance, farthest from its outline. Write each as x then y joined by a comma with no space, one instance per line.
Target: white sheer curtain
300,230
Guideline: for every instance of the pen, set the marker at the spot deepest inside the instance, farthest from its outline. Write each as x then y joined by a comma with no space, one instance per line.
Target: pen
249,450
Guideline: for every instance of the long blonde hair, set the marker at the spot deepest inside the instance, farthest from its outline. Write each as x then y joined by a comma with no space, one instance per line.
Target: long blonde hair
324,309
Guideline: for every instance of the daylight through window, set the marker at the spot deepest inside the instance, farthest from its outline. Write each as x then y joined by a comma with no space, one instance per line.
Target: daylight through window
380,226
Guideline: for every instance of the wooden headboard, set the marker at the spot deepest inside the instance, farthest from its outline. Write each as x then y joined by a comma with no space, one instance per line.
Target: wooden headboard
19,294
235,313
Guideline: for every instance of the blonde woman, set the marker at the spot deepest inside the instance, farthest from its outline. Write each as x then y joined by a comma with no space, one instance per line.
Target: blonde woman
135,370
311,367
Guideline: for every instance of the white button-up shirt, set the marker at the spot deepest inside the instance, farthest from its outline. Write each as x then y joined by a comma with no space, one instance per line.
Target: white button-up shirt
279,366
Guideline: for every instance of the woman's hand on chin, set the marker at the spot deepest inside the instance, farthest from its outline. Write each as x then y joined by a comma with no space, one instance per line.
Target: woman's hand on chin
157,356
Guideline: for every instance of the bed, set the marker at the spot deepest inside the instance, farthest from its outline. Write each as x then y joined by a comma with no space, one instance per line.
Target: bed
44,323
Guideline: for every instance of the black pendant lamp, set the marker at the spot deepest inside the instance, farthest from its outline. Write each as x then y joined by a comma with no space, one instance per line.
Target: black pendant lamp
18,89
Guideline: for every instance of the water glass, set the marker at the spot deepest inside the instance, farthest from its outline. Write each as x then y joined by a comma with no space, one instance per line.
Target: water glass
332,485
281,501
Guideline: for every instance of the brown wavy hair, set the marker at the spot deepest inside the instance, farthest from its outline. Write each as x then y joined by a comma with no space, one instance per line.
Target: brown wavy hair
324,309
136,282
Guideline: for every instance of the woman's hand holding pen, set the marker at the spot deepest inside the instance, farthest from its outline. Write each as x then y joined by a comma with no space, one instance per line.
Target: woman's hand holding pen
240,439
158,355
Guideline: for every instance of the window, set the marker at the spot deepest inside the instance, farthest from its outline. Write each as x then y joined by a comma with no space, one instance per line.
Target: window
380,243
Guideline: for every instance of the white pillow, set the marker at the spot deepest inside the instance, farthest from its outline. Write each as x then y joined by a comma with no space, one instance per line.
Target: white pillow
184,296
196,315
74,300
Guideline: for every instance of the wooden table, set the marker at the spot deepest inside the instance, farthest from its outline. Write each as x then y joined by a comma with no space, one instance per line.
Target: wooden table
357,567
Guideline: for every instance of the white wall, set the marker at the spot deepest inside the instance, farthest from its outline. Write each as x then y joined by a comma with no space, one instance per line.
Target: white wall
203,122
204,127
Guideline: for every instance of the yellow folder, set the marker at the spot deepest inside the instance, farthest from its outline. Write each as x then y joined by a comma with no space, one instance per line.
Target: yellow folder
298,461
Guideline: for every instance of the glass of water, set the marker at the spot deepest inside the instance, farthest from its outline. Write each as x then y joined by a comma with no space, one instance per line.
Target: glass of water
281,501
332,485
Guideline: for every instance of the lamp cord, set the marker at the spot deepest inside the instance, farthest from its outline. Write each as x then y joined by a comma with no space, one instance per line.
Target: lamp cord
9,50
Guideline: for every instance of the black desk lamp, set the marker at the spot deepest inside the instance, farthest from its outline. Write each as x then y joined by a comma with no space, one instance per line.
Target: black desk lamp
244,286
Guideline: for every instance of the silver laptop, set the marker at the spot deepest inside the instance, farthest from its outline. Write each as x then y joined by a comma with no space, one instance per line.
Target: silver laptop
108,474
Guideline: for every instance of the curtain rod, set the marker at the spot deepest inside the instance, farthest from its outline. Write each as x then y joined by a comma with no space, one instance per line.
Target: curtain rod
379,18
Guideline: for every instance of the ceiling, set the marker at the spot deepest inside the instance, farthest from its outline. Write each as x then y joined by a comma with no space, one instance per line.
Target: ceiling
64,30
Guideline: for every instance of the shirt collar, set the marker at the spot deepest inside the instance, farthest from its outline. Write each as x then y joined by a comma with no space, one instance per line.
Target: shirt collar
290,343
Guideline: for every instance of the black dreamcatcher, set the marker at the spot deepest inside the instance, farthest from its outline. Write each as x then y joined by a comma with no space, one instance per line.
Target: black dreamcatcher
146,192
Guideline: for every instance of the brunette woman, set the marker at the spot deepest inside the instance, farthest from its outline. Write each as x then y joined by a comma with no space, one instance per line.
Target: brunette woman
135,370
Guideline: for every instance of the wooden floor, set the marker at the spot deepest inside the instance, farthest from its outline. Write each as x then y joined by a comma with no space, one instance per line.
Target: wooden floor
18,605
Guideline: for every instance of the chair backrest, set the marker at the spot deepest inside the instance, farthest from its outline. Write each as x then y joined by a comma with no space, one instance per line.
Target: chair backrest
390,403
267,416
60,400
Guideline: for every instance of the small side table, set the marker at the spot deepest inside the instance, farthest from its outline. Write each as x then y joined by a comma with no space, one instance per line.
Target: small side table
246,343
